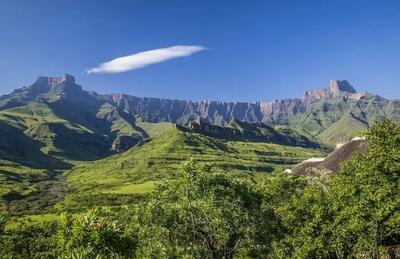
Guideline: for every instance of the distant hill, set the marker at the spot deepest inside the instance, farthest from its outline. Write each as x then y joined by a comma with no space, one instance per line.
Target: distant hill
328,114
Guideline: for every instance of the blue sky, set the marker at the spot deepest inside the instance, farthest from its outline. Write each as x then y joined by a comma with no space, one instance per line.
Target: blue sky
256,50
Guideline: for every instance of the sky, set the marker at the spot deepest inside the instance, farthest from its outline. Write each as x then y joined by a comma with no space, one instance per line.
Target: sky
228,50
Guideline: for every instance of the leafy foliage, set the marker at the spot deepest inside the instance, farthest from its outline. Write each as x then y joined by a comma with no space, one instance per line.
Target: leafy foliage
353,214
208,215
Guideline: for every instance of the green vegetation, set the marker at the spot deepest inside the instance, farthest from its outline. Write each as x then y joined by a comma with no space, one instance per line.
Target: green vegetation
208,213
140,188
333,119
134,172
346,127
44,137
256,132
154,130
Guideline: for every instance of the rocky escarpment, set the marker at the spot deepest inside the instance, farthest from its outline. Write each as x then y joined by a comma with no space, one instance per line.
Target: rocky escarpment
242,131
182,111
220,113
333,161
311,114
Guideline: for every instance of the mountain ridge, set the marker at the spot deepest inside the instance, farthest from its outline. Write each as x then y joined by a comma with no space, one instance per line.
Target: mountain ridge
311,114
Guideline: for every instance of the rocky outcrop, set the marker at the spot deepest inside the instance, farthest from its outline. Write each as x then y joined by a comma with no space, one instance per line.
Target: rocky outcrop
333,161
279,109
337,88
63,85
124,143
243,131
341,86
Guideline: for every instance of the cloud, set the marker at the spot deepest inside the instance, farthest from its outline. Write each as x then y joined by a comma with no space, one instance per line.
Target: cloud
143,59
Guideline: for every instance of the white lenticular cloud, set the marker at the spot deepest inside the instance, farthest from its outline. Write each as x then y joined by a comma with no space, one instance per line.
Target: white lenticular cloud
143,59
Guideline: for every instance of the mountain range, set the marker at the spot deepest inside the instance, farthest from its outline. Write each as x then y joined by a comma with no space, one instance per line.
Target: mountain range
328,113
53,126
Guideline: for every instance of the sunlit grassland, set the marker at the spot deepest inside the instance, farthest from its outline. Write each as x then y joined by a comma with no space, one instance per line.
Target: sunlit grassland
128,176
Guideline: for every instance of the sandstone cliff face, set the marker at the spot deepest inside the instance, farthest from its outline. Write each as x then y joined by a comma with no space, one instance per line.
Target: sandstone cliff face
54,85
220,113
155,109
279,109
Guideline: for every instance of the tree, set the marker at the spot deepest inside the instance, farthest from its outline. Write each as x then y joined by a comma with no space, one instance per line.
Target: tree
204,215
305,214
353,214
367,198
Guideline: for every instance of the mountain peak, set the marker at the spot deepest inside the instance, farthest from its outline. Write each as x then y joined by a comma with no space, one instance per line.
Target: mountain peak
51,81
60,85
337,86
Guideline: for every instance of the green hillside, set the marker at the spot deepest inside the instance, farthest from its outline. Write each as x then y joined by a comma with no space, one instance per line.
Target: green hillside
331,120
125,177
49,135
346,127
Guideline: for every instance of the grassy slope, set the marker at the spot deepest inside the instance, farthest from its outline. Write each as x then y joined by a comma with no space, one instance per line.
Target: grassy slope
122,124
55,135
154,130
24,159
324,114
12,173
347,127
134,172
38,141
335,119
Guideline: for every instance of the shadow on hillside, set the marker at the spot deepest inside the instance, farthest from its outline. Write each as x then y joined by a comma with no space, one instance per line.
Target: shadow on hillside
85,115
80,146
17,147
10,176
211,143
131,120
82,114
